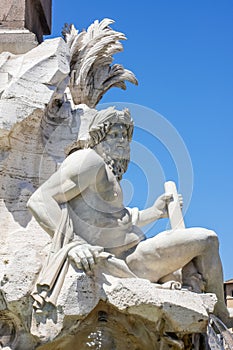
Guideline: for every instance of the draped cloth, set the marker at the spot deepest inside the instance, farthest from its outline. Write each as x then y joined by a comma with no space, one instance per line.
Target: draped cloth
54,270
52,275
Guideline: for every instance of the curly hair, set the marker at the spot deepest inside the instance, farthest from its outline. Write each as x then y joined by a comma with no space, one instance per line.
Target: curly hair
99,125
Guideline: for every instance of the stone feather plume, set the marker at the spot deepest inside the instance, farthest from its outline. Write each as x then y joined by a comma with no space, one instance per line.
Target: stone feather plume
92,72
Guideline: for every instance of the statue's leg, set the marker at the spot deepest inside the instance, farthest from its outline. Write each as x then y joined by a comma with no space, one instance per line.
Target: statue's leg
170,250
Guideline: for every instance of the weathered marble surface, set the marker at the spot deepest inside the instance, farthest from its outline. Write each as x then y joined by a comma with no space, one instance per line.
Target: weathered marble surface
31,80
138,302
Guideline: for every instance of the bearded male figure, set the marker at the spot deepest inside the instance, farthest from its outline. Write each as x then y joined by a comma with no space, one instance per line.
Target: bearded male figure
87,189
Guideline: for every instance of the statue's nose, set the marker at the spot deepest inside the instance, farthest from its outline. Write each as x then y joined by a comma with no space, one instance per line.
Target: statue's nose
122,138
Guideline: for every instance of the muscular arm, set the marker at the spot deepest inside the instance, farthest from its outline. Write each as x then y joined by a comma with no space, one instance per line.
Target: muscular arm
157,211
147,216
77,172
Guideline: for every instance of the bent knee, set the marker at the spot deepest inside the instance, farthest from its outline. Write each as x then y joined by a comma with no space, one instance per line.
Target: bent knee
204,239
210,234
210,238
213,238
203,232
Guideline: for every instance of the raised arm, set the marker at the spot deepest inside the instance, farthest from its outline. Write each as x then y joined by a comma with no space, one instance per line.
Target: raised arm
76,173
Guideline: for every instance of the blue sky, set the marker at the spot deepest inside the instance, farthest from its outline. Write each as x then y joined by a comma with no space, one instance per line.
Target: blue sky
182,54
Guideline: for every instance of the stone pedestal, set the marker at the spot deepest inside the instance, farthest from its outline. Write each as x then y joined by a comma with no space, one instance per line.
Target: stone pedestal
23,24
17,41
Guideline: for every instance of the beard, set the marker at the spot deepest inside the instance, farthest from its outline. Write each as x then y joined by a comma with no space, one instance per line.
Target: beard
118,166
116,160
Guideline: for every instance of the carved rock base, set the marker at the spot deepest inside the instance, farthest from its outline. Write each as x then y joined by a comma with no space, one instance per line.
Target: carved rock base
111,313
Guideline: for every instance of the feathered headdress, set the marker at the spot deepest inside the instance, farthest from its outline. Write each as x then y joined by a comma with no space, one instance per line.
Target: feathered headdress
91,57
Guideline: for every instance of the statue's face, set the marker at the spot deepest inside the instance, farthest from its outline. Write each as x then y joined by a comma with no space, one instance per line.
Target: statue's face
116,143
115,150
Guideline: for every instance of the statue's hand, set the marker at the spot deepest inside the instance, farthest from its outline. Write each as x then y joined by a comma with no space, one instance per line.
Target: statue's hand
85,257
161,204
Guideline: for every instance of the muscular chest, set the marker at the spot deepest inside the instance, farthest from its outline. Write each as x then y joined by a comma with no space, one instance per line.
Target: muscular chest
104,196
108,190
105,189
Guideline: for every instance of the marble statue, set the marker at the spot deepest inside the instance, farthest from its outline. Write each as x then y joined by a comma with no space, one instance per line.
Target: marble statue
80,268
80,206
